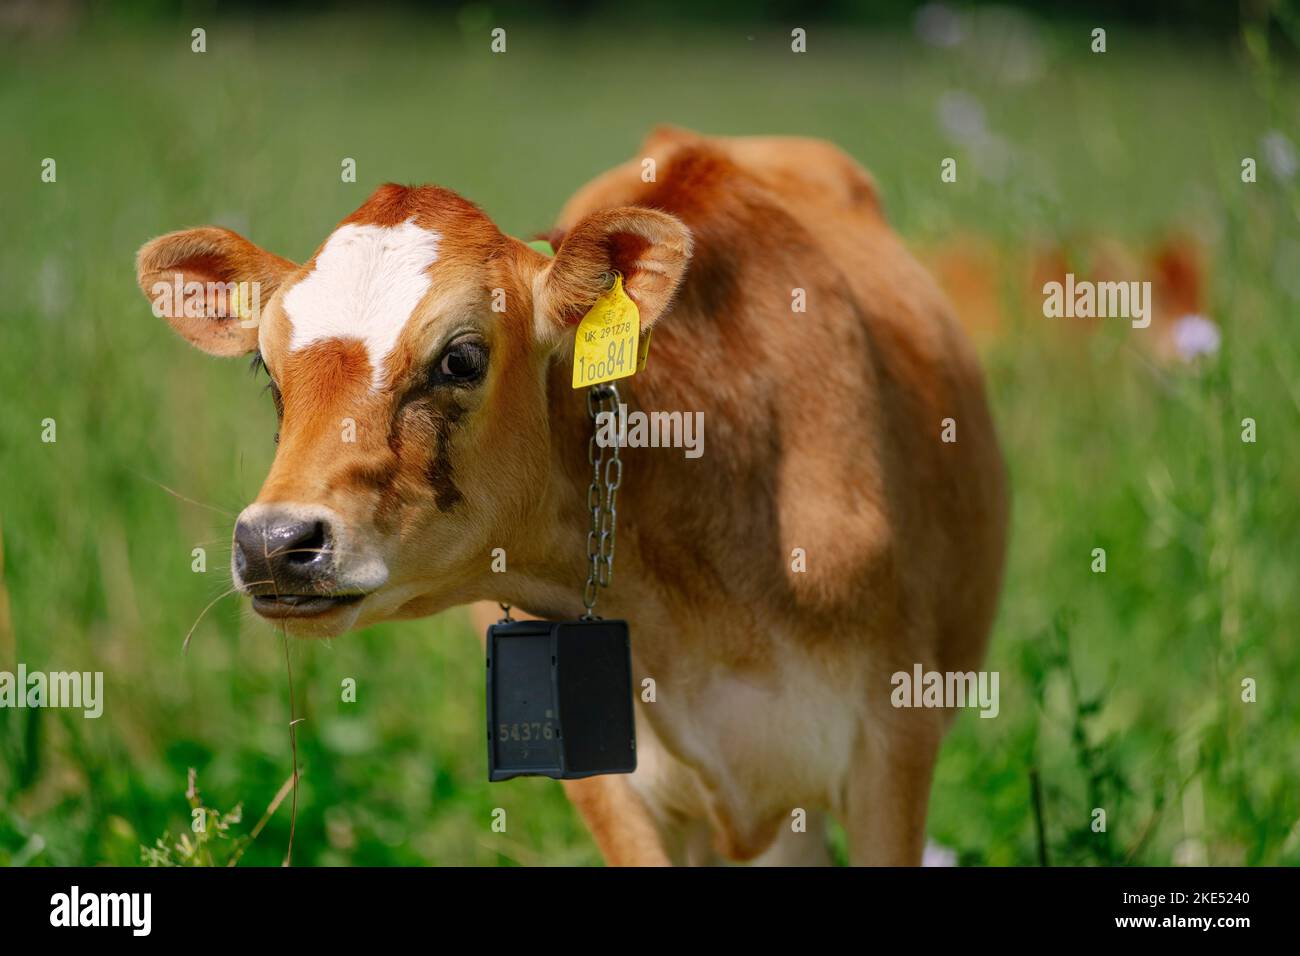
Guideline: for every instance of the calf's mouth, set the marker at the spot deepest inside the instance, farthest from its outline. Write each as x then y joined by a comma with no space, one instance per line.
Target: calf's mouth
278,606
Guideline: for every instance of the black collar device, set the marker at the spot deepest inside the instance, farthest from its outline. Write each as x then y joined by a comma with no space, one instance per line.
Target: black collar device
559,699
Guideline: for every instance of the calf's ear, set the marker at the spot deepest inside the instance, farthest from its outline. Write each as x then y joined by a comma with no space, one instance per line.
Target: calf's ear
210,285
650,249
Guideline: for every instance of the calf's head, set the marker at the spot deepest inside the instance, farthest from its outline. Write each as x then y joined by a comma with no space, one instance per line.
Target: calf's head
408,363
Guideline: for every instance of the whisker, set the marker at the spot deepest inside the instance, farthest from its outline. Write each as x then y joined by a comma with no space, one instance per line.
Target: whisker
176,494
279,551
213,542
185,647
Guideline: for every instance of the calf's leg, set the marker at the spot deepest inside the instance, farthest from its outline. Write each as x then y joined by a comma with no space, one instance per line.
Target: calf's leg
889,788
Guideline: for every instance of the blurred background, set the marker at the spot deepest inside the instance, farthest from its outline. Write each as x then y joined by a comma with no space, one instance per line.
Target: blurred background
1120,690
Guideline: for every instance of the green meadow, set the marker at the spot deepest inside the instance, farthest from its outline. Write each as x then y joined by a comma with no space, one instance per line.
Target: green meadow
1120,691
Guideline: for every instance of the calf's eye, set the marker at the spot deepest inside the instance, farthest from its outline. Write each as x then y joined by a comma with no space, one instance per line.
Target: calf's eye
463,362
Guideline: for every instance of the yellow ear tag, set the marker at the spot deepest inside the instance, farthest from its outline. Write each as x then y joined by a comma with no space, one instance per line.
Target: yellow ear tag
606,345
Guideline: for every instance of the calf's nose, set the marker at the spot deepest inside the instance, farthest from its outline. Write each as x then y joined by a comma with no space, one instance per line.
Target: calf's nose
281,550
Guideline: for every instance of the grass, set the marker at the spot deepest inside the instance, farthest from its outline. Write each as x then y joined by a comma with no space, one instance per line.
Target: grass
1120,690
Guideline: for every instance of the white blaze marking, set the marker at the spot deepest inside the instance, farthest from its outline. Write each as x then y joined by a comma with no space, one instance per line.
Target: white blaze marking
366,283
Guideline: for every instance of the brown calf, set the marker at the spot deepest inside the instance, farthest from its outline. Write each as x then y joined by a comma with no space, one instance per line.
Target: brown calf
827,539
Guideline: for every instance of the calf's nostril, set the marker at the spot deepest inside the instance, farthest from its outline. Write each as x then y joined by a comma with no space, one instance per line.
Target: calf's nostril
309,545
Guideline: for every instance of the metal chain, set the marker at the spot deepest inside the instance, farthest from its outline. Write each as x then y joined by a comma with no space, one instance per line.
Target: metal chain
602,502
602,498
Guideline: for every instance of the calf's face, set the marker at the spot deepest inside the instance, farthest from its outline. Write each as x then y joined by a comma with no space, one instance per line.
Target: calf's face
408,363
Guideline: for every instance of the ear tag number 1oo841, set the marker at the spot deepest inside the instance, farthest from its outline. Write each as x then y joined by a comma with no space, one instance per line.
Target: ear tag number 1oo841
559,693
